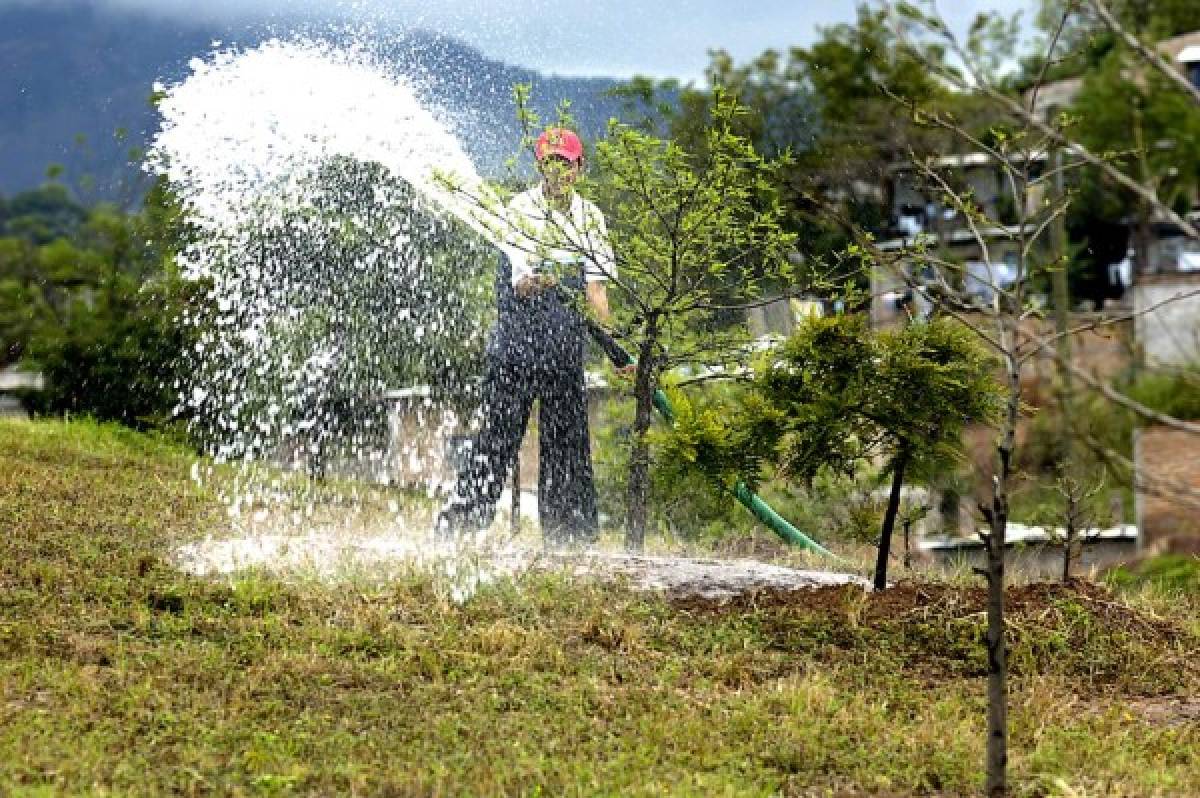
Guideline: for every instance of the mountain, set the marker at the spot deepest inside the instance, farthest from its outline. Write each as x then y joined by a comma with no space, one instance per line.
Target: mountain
479,90
72,75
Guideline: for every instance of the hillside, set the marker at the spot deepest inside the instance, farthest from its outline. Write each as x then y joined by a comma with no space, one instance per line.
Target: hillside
72,75
160,683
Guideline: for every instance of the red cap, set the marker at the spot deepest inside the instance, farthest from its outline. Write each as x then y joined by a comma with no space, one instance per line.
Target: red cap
559,141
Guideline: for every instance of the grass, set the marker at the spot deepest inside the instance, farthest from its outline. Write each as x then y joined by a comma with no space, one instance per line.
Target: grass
121,676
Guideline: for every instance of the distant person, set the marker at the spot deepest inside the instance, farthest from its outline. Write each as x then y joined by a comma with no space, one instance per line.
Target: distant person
557,250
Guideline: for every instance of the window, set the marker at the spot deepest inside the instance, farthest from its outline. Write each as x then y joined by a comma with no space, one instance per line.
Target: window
1189,59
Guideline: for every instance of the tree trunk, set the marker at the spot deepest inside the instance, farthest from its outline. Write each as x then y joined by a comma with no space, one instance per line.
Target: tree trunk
1062,324
639,459
889,518
996,784
1071,534
1066,577
1143,237
997,684
1143,234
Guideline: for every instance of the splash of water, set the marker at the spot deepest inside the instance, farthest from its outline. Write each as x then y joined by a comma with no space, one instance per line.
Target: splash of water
332,270
246,124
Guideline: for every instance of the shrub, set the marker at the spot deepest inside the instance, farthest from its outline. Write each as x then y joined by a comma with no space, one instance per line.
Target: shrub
1175,393
680,506
114,358
684,506
1167,573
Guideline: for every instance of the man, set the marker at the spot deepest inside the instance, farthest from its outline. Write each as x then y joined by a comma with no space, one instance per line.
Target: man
557,249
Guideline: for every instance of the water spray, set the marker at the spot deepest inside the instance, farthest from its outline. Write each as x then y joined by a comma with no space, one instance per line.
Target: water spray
334,256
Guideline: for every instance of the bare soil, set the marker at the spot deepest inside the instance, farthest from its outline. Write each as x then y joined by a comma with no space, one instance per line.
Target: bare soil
923,600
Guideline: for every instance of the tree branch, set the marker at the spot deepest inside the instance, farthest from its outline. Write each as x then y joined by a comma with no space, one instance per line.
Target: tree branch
1106,322
1112,394
1033,120
1150,56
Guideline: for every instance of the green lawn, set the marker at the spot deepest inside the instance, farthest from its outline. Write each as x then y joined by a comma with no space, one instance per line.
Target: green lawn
120,676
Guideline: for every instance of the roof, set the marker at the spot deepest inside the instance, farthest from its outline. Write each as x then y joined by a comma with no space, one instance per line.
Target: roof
959,235
967,161
1189,54
1020,534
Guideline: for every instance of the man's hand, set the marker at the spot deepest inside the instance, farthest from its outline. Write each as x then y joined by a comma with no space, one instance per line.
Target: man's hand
534,284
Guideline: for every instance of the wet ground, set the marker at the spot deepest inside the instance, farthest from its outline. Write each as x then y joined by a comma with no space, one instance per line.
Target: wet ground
332,556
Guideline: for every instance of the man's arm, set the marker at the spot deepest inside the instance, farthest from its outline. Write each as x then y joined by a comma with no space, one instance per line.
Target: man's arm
521,239
597,297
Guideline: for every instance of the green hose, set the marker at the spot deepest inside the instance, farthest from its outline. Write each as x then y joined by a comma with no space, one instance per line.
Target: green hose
663,405
775,522
752,501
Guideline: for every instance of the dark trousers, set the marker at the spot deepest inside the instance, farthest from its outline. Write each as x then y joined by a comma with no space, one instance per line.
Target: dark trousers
537,357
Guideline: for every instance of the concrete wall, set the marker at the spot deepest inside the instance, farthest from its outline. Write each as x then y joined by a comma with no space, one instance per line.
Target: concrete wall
1168,464
1169,335
1043,560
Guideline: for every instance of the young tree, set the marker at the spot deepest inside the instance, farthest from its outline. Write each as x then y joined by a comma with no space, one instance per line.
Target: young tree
684,228
1077,514
836,394
933,381
1017,149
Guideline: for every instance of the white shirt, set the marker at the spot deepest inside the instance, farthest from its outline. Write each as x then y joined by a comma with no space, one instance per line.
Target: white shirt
536,233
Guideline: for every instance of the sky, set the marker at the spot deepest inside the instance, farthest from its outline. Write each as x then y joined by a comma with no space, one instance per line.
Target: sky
618,38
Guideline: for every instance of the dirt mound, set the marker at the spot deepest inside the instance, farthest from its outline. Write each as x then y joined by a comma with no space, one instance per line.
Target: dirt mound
935,631
1168,710
922,601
